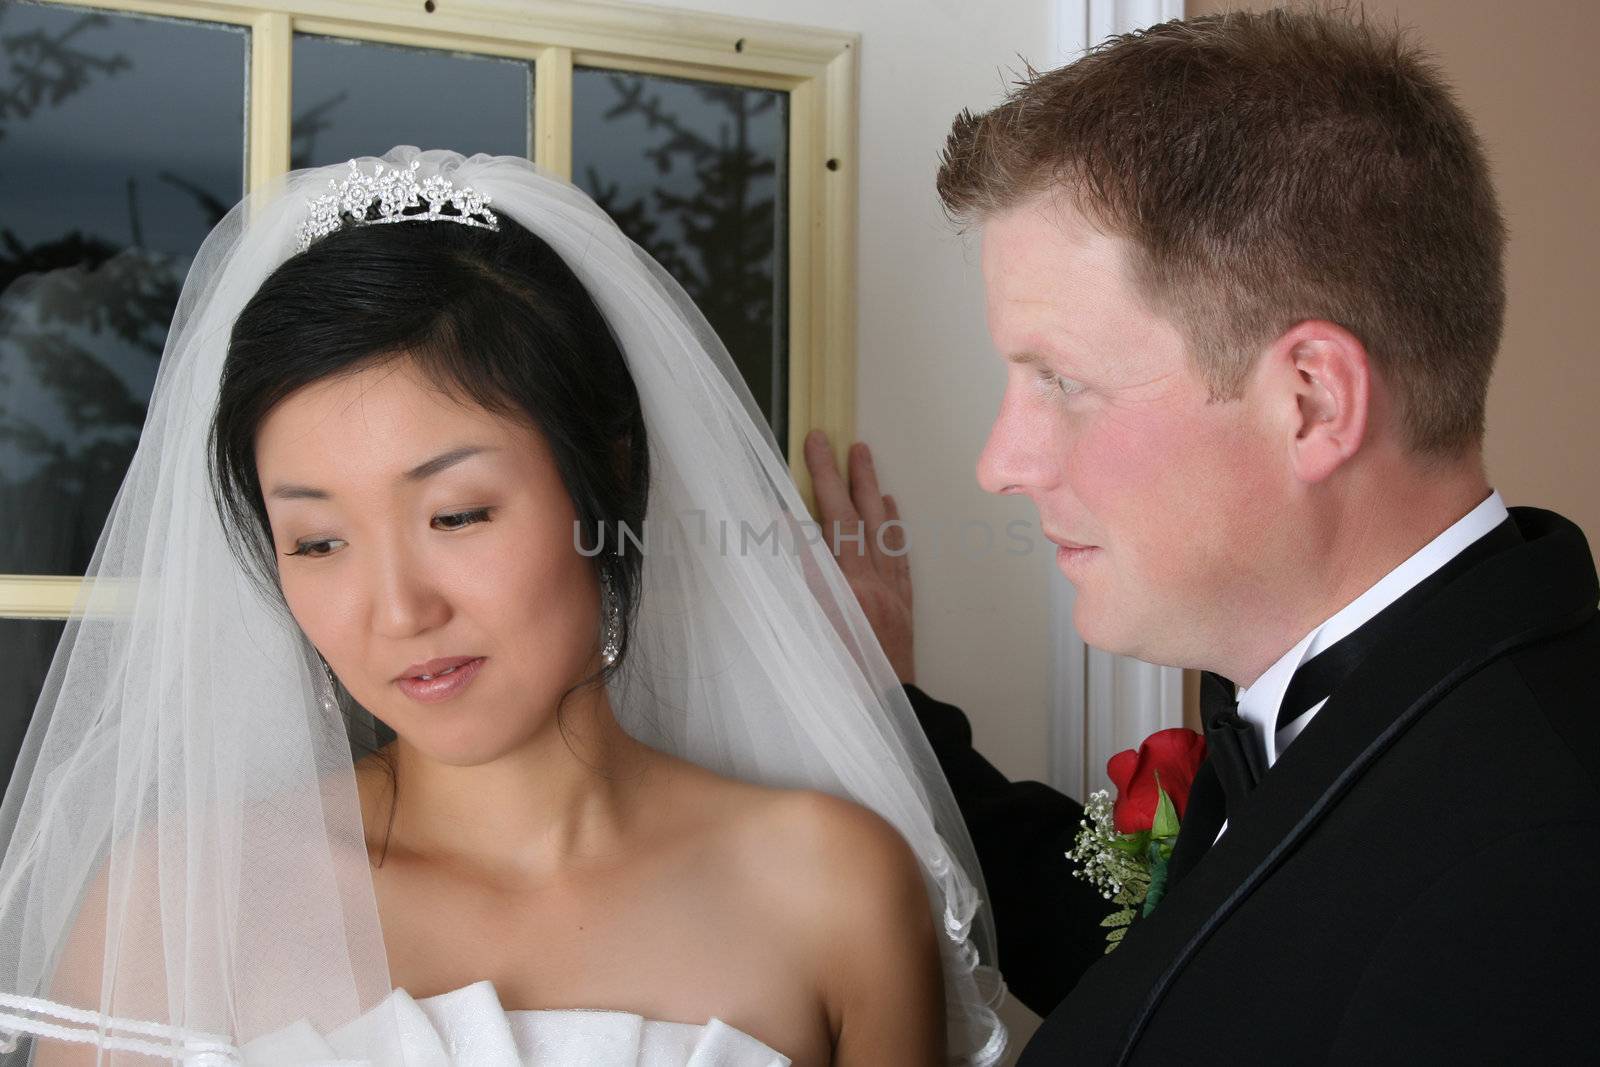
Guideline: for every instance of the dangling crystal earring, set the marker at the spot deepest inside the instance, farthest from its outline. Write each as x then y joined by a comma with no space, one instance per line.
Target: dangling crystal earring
330,695
610,621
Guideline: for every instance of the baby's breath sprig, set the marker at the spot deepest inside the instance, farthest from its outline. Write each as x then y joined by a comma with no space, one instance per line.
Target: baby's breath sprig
1095,850
1120,865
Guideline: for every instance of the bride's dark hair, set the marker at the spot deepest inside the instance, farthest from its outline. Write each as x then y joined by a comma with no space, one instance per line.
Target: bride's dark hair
493,318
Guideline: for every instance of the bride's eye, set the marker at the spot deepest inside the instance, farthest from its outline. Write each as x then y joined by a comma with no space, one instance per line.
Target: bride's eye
314,549
461,519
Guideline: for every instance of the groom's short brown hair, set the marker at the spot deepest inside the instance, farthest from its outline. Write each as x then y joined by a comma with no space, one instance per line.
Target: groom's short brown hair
1269,168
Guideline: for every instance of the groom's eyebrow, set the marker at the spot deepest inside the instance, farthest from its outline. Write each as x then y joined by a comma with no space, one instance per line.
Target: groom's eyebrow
1056,356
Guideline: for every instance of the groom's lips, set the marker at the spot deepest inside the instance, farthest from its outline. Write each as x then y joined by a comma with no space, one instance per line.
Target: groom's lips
1062,542
1070,554
1071,557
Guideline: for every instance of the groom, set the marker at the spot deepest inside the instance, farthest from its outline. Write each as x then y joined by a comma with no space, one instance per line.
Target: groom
1244,277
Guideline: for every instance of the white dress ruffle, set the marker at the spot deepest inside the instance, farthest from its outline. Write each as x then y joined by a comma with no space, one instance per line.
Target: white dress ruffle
468,1026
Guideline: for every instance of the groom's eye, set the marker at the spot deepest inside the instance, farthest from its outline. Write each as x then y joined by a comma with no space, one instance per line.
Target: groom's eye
1067,386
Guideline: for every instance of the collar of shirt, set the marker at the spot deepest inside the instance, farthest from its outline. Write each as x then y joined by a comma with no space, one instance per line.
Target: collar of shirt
1258,705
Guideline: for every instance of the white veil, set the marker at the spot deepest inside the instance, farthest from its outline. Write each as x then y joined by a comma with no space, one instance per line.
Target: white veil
185,867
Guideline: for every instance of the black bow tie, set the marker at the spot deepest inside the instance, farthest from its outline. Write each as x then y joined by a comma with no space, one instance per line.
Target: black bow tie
1232,743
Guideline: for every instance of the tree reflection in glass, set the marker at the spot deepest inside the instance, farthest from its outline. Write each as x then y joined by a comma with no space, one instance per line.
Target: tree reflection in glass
696,173
114,164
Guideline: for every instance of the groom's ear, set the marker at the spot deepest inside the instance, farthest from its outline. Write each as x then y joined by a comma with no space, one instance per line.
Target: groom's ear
1326,387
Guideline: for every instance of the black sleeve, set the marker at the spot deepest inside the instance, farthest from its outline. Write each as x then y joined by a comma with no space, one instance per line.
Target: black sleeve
1047,920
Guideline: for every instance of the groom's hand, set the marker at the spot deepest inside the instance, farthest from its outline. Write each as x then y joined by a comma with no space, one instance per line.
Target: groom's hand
875,564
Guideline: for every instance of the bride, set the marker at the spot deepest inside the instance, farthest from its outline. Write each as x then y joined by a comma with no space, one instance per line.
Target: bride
479,500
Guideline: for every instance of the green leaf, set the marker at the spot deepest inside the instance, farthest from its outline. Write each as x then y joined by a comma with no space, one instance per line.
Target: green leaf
1117,935
1118,918
1158,886
1166,821
1132,844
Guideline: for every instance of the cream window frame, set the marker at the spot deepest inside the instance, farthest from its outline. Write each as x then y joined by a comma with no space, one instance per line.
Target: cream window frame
816,67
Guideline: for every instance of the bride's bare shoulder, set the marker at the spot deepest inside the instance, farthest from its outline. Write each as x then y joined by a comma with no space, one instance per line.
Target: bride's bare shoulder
824,874
819,848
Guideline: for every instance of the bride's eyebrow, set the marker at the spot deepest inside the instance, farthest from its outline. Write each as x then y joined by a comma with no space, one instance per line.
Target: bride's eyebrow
445,460
423,470
297,492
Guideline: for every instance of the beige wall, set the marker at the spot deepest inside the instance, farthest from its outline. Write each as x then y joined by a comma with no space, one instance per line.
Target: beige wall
1525,72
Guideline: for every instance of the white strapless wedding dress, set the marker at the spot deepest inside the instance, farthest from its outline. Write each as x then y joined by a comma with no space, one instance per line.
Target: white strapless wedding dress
468,1028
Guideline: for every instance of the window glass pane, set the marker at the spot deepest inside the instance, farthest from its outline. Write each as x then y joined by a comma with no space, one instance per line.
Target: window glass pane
26,648
355,98
697,174
121,145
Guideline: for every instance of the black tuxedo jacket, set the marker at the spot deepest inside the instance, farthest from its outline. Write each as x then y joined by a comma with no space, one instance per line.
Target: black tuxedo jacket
1416,880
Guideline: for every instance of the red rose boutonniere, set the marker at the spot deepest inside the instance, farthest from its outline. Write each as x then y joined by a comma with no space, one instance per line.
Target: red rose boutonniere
1123,847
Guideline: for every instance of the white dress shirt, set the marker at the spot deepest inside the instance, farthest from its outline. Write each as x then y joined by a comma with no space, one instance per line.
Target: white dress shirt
1258,705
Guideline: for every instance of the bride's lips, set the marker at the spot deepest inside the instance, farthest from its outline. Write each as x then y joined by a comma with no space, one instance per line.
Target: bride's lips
448,676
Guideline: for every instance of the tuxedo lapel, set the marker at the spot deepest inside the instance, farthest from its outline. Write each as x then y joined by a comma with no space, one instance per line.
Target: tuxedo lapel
1520,595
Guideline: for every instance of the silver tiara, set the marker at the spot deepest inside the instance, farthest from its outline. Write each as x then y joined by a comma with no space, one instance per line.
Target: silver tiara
393,195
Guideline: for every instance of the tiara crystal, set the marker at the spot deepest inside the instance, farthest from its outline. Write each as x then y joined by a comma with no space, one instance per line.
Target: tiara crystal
393,195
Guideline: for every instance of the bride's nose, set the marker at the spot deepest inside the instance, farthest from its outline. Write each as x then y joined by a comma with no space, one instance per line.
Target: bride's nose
404,595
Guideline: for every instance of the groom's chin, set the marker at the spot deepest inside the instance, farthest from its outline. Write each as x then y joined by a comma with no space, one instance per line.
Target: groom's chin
1097,627
1109,626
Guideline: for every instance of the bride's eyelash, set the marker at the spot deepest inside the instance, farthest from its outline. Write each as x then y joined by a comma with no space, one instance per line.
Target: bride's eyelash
305,548
466,518
454,521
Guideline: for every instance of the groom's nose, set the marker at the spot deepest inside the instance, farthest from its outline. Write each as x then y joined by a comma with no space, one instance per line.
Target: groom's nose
1014,458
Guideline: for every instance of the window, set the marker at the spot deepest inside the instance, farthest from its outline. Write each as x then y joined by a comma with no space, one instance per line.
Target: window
724,147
